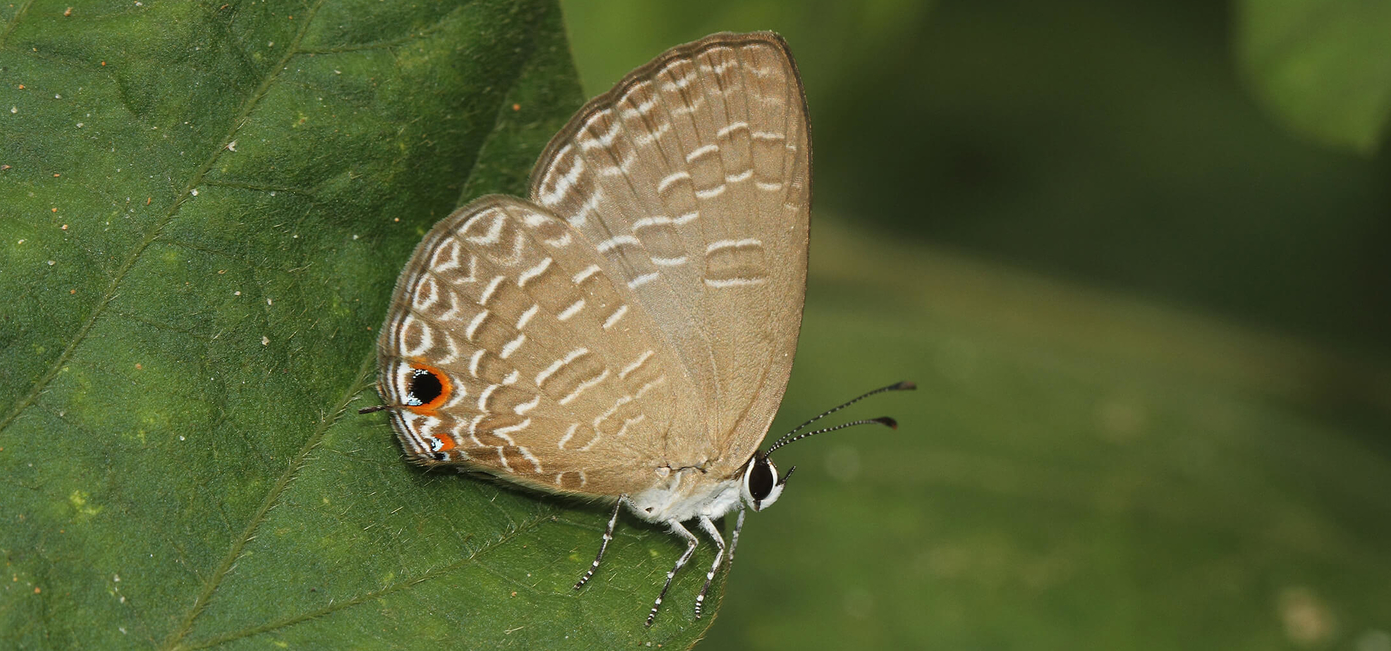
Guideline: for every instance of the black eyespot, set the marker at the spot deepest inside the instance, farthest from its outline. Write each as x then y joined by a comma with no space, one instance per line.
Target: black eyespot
760,479
424,388
440,456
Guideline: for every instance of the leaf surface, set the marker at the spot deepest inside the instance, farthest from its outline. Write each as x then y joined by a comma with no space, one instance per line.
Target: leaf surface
204,211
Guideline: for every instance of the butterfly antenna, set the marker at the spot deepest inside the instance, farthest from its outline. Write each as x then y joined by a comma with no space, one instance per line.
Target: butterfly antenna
882,420
897,386
376,408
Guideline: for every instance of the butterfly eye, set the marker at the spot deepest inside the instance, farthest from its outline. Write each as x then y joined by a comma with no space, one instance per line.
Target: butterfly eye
761,479
425,388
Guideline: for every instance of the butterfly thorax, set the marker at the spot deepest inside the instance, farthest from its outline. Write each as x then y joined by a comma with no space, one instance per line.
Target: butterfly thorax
687,494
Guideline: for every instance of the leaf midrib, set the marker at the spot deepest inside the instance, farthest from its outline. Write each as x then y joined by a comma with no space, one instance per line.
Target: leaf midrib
355,387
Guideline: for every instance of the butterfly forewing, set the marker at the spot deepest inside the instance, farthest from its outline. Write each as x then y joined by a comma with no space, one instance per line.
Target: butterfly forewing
554,376
691,179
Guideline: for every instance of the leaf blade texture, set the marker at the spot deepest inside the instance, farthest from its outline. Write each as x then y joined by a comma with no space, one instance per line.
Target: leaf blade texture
205,208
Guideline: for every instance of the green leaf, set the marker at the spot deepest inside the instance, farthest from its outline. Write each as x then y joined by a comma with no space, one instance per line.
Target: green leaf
1323,67
204,211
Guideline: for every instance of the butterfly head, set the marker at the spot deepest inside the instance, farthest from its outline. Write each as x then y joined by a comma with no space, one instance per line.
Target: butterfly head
762,486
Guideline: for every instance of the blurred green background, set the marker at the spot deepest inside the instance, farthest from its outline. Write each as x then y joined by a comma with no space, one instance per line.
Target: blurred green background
1136,257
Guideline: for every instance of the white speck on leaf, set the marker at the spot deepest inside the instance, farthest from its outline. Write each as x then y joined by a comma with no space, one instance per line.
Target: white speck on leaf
194,192
232,146
265,341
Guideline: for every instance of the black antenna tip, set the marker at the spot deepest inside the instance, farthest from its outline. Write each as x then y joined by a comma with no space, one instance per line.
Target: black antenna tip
906,385
368,410
885,420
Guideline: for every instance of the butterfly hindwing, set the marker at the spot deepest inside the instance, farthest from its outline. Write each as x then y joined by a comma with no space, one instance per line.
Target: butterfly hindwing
555,377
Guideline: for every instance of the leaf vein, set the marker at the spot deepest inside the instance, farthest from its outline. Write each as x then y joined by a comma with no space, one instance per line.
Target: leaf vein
260,187
271,499
14,20
369,596
111,290
377,45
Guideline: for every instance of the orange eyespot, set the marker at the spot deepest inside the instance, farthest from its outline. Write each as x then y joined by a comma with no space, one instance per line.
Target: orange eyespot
427,389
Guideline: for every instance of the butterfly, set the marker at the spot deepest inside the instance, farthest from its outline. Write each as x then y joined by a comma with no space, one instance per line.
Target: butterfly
626,331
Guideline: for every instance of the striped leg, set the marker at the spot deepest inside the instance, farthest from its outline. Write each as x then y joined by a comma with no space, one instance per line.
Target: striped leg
608,535
734,539
709,528
691,543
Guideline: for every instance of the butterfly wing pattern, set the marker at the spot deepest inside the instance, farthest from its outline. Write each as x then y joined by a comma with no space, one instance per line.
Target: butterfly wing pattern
627,331
509,305
692,176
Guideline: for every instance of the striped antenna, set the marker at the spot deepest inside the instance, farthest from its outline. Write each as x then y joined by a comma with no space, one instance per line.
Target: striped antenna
882,420
783,440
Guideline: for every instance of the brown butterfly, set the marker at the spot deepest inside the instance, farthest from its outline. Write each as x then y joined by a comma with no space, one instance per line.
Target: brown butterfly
626,331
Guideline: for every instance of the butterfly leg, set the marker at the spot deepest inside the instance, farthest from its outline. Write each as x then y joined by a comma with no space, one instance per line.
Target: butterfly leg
691,543
734,539
608,535
709,528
